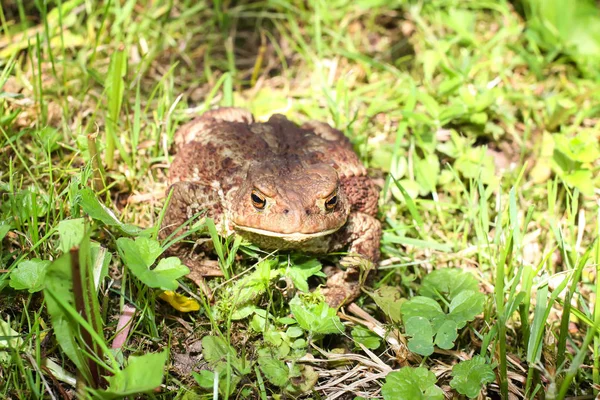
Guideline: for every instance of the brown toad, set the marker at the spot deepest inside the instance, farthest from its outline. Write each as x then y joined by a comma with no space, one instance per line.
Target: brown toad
279,185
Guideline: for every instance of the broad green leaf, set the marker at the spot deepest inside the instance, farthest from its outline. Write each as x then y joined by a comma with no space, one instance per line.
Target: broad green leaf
446,335
366,337
57,292
390,300
294,332
149,249
142,374
90,204
411,384
426,172
222,357
71,232
258,323
276,371
9,339
421,335
581,179
215,349
29,275
420,306
469,376
206,378
243,312
447,282
474,163
300,272
582,148
4,229
318,319
252,286
165,274
466,306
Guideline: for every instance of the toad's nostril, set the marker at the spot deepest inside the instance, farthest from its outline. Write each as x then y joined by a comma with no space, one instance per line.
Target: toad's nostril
286,211
307,211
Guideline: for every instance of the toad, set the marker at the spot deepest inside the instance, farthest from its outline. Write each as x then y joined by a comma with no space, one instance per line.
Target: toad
279,185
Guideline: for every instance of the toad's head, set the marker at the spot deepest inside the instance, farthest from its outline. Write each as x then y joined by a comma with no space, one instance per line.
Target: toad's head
291,201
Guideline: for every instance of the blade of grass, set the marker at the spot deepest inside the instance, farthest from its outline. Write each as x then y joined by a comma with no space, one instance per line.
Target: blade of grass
115,88
596,349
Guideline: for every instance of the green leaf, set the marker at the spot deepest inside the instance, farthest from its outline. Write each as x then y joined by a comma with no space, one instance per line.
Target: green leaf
581,179
142,374
421,335
420,306
243,312
411,384
9,338
206,378
427,171
276,371
317,319
164,276
466,306
447,282
149,249
29,275
96,210
474,163
367,338
254,285
300,272
222,357
469,376
4,229
58,292
215,349
294,332
446,335
70,233
389,299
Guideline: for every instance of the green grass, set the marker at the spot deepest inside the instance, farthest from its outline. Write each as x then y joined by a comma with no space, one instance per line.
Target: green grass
478,120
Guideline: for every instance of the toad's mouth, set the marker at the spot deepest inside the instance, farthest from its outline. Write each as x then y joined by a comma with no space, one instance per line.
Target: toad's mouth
295,236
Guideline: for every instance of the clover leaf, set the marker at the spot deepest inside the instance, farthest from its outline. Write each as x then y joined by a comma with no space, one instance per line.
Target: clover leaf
447,282
465,306
411,384
421,333
426,323
469,376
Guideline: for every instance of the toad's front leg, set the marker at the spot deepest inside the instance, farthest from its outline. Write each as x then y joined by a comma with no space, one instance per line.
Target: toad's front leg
190,200
363,233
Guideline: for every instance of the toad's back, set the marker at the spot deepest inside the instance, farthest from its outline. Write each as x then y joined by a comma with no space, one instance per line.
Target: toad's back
220,145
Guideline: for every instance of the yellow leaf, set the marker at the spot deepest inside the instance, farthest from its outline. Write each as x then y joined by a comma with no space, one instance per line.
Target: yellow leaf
180,302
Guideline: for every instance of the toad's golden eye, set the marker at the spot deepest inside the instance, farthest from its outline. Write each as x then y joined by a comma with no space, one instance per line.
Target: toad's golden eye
331,201
258,200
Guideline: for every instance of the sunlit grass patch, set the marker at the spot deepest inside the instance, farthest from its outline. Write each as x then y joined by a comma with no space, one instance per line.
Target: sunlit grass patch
478,121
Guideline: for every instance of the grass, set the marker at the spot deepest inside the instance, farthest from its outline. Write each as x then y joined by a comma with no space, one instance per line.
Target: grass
478,120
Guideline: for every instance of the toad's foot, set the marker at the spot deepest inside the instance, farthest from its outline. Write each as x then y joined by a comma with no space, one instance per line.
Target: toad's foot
363,232
343,286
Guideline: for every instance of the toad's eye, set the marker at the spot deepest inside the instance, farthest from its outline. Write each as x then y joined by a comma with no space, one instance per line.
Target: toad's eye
331,201
258,200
